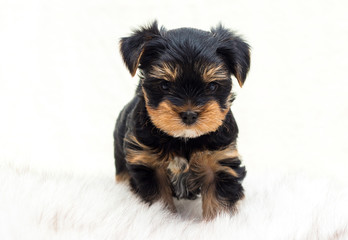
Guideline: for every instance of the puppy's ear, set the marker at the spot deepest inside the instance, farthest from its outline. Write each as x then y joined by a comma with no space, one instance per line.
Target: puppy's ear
234,51
132,48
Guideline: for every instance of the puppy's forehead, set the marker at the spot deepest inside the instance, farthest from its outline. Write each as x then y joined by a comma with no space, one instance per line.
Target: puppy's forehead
189,52
186,45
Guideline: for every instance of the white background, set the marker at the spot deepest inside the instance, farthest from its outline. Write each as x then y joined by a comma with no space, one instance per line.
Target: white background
63,82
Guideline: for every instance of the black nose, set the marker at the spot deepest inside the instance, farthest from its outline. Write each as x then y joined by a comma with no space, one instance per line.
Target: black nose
189,117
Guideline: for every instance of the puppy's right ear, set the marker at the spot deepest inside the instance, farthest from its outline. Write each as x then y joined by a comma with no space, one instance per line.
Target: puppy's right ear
132,48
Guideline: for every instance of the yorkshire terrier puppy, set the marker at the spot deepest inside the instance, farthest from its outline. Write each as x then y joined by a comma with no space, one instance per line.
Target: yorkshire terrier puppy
177,136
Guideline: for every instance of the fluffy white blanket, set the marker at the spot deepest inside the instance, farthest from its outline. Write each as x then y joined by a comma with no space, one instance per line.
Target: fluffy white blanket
42,205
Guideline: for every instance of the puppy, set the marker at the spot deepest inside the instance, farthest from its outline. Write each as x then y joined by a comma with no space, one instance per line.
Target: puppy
177,136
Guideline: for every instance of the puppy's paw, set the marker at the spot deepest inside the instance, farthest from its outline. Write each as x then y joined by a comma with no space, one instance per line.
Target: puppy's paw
178,172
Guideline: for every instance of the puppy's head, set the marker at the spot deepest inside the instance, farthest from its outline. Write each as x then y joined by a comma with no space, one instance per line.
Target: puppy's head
186,75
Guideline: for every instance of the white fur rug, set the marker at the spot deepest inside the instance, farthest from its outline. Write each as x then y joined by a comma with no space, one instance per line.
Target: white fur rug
42,205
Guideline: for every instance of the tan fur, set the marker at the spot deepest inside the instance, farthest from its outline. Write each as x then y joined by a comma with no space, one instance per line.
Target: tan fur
166,117
213,73
135,67
205,165
178,165
238,76
210,204
152,160
143,157
165,71
164,188
122,177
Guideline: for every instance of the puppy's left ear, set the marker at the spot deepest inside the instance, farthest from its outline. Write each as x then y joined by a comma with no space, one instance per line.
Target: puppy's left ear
234,51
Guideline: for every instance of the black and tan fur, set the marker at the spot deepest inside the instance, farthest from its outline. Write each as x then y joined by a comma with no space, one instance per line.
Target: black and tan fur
177,136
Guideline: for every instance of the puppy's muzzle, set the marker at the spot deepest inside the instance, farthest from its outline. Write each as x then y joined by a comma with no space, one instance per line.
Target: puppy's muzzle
189,117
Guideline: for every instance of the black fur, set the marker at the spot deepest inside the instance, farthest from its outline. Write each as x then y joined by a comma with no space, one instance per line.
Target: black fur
143,181
186,48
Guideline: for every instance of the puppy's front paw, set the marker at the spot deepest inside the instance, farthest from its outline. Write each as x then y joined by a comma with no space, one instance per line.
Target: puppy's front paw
179,174
219,180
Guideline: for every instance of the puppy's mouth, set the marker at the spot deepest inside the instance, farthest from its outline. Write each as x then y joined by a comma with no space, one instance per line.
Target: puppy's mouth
188,121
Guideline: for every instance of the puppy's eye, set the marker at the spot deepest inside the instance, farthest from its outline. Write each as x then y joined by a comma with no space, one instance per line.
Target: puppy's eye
164,85
212,86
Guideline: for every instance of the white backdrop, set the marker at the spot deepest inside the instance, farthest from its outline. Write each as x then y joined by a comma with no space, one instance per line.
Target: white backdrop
62,80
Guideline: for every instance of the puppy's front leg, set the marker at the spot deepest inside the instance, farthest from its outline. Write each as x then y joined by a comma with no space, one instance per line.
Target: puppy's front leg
148,176
218,174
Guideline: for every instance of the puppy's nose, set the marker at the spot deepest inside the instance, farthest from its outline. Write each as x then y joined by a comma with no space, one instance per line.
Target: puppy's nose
189,117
